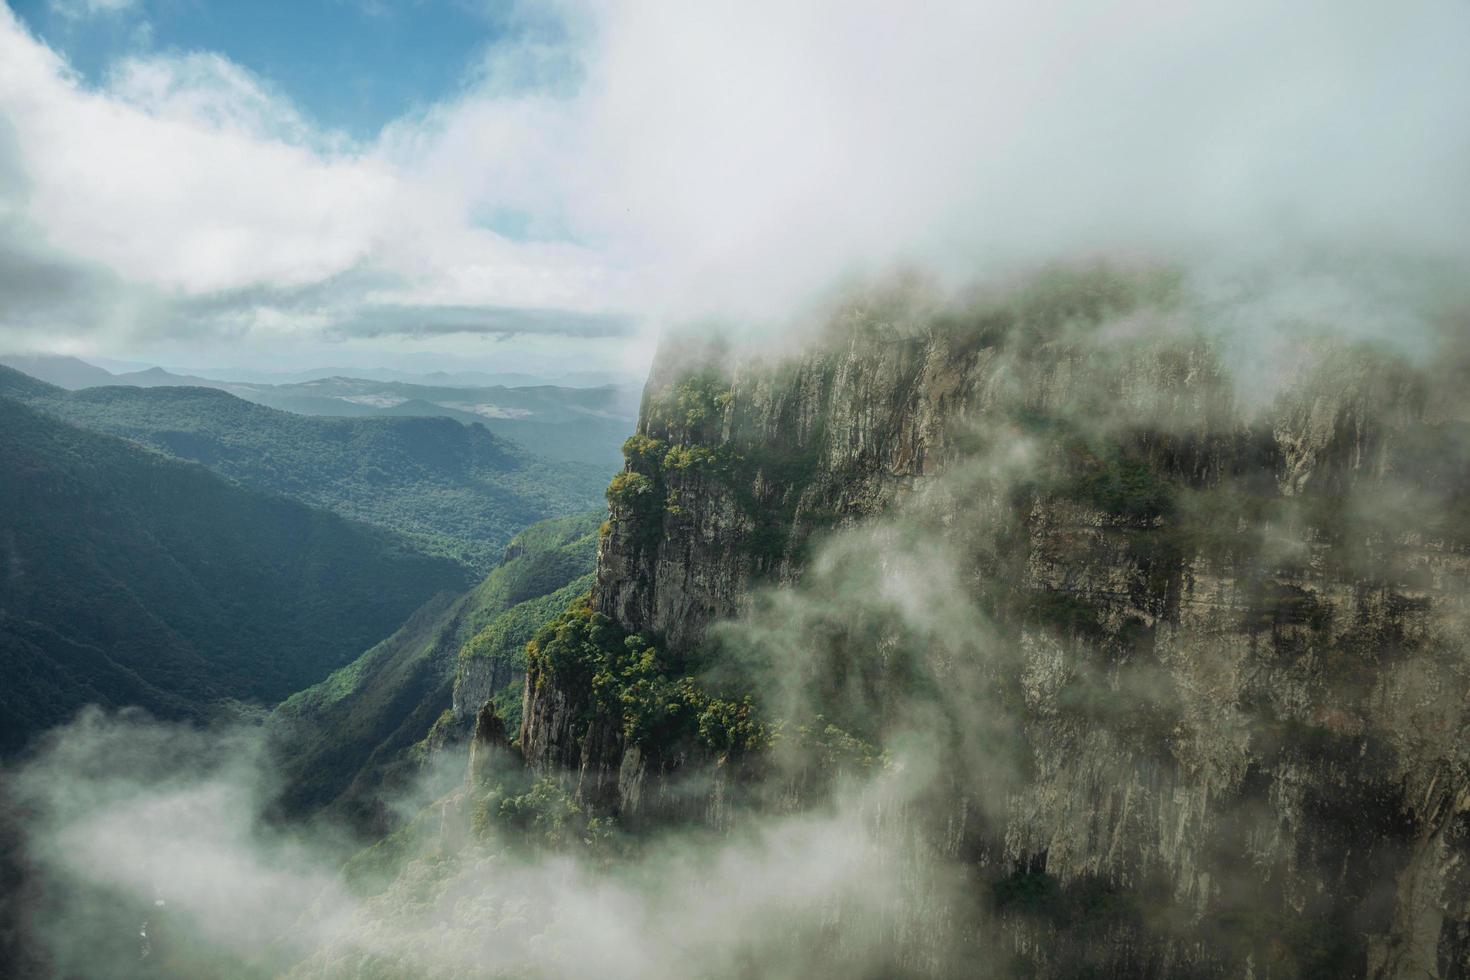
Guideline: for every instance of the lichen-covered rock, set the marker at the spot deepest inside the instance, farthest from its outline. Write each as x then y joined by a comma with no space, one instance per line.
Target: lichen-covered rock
476,680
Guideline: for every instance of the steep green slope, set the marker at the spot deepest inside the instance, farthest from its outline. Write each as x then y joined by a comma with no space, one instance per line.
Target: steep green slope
363,731
131,578
456,490
25,387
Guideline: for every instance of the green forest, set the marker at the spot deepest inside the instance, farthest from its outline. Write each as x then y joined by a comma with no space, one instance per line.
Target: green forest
453,490
136,579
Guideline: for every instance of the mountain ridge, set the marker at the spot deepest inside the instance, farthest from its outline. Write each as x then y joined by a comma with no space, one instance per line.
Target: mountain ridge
457,490
574,424
134,578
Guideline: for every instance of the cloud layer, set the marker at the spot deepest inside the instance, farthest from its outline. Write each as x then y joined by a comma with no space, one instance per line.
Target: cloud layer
646,161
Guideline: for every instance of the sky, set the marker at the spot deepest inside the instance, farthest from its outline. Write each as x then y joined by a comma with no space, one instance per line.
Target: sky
347,66
500,185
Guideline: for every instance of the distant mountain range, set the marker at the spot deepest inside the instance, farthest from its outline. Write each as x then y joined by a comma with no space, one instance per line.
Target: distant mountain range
73,372
569,421
454,490
457,379
66,372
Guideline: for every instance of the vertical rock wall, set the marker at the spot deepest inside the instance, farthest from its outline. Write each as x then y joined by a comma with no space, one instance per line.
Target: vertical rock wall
1289,578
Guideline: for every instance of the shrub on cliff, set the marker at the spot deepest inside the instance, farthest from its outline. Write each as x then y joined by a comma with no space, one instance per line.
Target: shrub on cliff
631,679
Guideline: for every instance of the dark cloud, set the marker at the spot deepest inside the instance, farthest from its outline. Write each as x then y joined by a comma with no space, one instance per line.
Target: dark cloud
41,286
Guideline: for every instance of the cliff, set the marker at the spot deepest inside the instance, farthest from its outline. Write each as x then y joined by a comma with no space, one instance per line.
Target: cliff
1190,665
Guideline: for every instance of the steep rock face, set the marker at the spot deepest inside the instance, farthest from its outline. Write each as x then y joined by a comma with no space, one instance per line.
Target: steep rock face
476,680
1233,634
831,437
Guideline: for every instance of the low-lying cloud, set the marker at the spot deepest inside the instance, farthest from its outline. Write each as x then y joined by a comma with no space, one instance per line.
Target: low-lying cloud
147,857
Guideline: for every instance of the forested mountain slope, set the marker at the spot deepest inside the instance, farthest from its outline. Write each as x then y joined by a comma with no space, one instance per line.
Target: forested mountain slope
130,578
569,423
456,490
357,735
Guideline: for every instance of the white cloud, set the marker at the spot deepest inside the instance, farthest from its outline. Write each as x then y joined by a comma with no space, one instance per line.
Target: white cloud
209,91
78,9
198,184
171,179
735,157
743,137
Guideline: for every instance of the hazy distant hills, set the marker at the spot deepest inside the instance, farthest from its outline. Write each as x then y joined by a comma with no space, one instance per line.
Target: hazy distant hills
130,578
67,372
156,377
73,372
457,490
584,424
458,379
577,423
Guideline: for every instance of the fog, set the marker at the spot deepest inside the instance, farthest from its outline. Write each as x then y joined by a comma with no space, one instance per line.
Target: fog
147,859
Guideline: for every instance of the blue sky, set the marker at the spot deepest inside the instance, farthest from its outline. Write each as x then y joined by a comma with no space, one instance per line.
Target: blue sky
351,65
